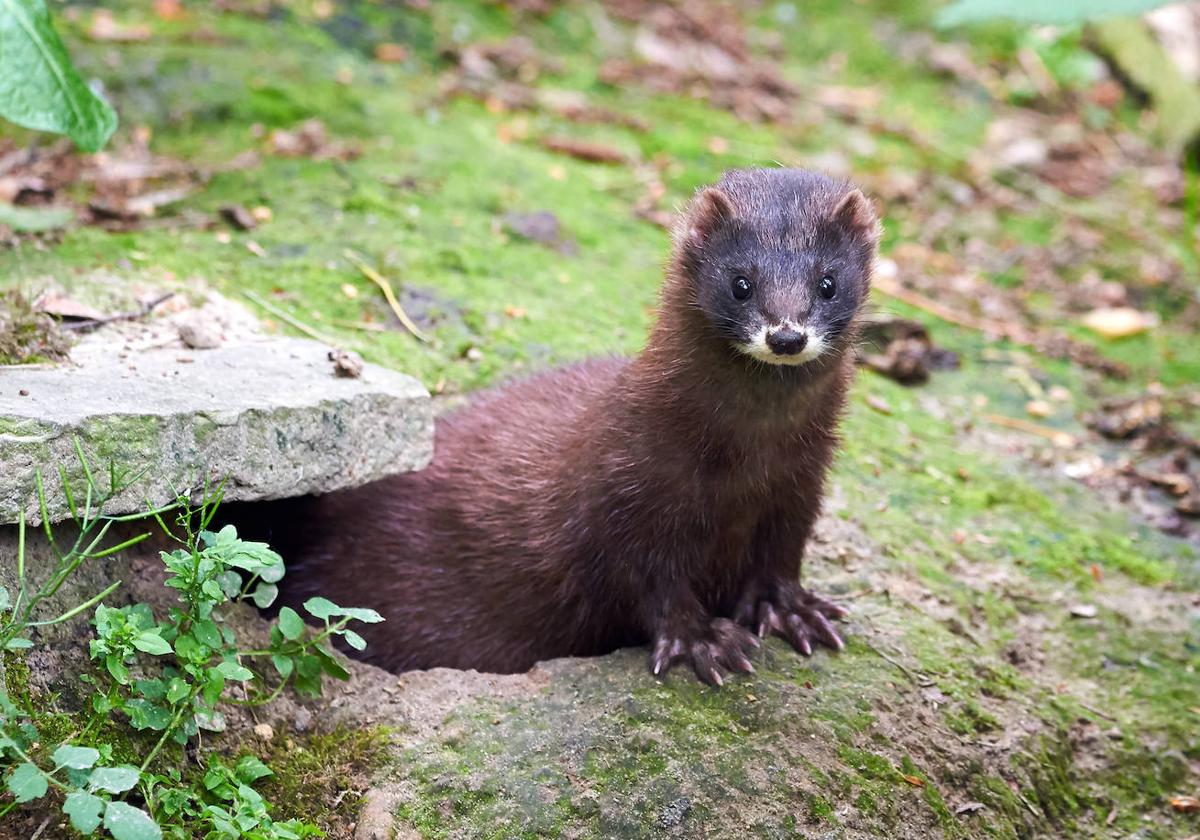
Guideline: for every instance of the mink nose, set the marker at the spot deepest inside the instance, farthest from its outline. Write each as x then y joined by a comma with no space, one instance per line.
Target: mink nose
786,341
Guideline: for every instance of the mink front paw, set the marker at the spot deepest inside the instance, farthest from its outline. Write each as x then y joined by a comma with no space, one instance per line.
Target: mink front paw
794,613
712,650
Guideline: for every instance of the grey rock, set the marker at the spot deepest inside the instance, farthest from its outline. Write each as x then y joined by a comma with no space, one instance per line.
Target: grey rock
271,418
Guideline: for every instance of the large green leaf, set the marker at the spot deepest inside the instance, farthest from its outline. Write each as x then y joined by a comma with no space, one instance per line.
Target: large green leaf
126,822
84,810
26,783
1039,11
39,88
77,758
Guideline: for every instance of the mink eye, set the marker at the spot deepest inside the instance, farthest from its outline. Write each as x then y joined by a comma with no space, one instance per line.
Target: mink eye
827,287
742,288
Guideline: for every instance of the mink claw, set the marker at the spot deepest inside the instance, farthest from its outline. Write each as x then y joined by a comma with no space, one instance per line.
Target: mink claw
802,618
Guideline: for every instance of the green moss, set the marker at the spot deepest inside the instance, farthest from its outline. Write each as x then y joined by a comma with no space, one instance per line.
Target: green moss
819,809
971,718
320,778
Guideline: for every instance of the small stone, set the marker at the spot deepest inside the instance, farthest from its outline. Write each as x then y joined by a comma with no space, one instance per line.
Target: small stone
198,333
24,392
302,721
1038,408
264,731
346,364
1119,321
1084,611
262,214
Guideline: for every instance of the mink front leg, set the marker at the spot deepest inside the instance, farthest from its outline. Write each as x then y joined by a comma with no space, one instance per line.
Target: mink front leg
774,601
685,632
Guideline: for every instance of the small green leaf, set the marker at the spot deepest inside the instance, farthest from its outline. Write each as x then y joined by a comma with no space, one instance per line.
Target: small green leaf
321,608
177,689
362,614
291,624
5,599
126,822
116,668
47,93
249,769
214,684
27,782
146,715
148,641
331,666
207,633
18,644
212,721
113,779
354,640
233,671
154,690
231,583
283,664
84,810
77,758
265,595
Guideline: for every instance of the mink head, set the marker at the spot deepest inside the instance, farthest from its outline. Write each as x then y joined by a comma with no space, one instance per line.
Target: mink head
779,261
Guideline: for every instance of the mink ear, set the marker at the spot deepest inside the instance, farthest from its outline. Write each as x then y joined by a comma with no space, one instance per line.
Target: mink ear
855,213
708,212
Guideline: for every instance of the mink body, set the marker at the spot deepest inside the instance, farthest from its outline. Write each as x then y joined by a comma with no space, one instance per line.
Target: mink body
664,499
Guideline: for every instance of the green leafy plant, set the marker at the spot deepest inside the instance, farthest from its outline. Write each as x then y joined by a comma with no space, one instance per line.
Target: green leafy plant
163,679
39,87
1038,11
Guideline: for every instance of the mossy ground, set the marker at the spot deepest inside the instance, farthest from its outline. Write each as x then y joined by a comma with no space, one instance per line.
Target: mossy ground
970,702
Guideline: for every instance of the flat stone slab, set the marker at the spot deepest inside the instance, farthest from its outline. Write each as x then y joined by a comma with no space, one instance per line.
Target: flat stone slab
270,418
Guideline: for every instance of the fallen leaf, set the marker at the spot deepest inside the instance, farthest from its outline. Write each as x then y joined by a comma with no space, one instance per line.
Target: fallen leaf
105,28
879,404
390,53
61,306
1185,804
169,9
915,781
1119,321
239,217
310,139
906,353
584,149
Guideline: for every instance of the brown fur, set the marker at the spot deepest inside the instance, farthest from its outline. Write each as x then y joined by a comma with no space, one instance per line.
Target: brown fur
664,499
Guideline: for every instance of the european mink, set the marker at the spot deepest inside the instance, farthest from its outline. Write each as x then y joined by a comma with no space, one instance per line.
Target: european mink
664,499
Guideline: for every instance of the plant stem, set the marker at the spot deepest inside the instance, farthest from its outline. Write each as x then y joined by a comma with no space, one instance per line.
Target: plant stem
184,706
